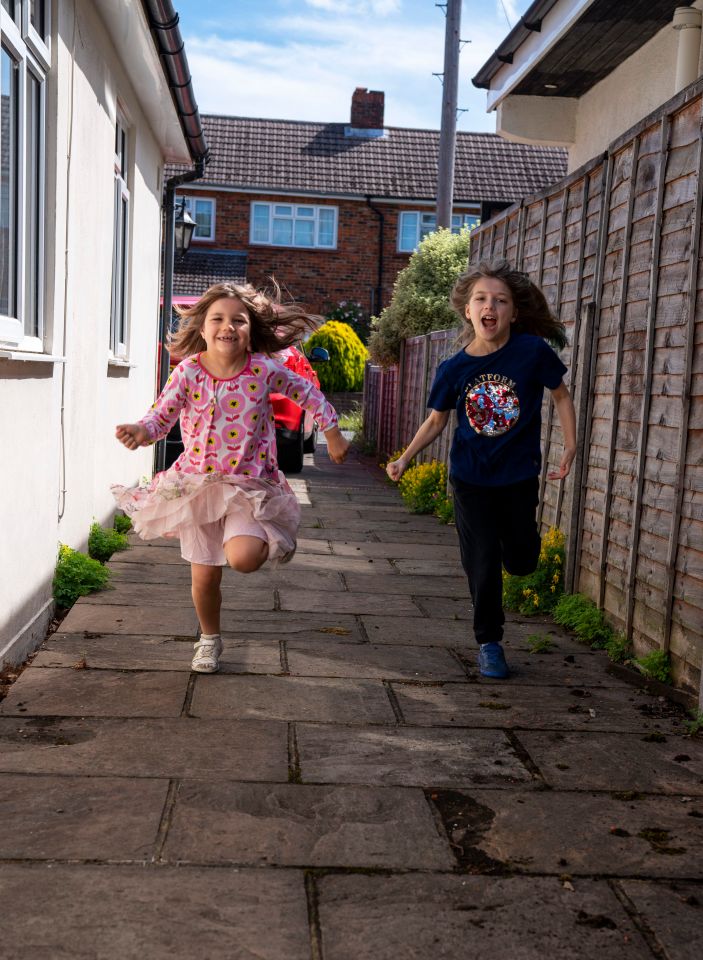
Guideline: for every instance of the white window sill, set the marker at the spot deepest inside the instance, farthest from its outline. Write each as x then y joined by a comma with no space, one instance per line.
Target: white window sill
31,357
121,362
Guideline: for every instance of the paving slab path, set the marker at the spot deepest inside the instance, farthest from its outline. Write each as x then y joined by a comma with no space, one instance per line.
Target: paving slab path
347,787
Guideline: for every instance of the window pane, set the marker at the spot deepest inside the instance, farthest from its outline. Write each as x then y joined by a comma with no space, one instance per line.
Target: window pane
283,232
305,233
428,224
203,219
10,6
305,212
34,206
325,232
409,227
283,211
260,232
36,15
8,184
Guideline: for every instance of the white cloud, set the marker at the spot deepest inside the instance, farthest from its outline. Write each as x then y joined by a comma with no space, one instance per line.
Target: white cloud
308,65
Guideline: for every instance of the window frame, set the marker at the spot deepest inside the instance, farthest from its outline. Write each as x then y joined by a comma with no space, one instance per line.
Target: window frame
191,200
294,217
32,56
462,215
121,230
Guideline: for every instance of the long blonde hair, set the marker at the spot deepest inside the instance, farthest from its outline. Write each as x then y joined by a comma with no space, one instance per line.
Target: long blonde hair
534,314
274,325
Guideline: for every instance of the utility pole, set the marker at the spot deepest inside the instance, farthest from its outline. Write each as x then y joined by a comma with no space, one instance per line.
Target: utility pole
447,137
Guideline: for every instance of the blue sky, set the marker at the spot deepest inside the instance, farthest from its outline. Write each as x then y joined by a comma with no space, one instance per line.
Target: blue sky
302,59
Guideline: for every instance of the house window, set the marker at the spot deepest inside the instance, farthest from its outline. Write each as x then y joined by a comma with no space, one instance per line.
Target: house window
203,212
293,225
24,64
120,246
414,226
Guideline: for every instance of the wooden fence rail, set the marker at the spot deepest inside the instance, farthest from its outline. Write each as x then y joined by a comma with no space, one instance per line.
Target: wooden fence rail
616,246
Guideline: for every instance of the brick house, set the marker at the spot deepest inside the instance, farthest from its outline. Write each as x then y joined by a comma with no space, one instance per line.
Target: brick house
334,210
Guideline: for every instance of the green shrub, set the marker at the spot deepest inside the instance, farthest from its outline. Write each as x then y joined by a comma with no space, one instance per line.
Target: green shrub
424,486
122,523
538,592
580,614
420,300
655,665
348,356
76,575
103,542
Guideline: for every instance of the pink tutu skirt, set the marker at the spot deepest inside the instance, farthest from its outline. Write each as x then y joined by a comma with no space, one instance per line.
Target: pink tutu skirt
175,500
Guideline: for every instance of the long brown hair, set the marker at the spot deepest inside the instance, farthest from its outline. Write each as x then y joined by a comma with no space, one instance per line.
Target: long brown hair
534,314
274,325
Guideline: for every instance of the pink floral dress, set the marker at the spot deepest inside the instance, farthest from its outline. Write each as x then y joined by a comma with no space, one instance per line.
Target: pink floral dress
229,461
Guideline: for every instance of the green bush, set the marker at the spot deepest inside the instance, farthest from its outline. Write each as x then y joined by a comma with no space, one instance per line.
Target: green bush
420,300
103,542
348,356
580,614
122,523
76,575
655,665
538,592
423,487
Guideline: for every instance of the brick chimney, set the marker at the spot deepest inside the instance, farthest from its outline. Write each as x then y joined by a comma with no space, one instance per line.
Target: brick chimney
367,109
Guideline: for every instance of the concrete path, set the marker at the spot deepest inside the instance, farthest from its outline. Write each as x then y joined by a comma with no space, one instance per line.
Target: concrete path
346,788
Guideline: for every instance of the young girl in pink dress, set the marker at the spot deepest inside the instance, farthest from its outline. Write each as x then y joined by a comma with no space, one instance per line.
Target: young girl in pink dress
225,497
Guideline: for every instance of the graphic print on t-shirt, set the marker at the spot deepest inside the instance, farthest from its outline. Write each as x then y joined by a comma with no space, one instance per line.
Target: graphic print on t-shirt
492,406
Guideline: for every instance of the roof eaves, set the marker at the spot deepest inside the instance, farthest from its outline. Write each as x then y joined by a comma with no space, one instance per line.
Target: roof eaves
529,23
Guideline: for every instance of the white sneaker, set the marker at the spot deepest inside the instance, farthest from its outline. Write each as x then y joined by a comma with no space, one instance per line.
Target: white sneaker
206,658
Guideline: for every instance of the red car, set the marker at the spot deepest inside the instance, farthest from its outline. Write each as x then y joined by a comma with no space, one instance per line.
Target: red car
296,431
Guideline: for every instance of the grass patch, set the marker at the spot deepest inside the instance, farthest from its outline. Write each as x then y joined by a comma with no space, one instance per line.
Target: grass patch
655,665
540,643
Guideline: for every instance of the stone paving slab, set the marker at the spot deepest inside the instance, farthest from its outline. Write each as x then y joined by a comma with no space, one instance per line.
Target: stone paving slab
95,693
310,564
84,912
354,603
497,704
154,653
446,608
456,917
237,596
184,747
396,583
425,549
387,522
674,911
527,830
294,824
165,621
145,572
322,658
75,818
292,698
421,567
618,762
416,631
403,757
284,625
584,668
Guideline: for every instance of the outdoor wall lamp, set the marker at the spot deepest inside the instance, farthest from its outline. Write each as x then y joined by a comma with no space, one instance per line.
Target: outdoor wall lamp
183,227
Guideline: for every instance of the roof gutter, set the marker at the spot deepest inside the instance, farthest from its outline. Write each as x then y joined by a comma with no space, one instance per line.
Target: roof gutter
531,22
163,22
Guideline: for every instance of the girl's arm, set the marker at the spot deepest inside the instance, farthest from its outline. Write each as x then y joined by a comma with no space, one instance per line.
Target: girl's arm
567,419
428,431
309,397
159,420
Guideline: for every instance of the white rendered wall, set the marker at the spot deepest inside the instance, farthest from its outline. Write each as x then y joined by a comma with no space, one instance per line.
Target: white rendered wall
634,89
85,83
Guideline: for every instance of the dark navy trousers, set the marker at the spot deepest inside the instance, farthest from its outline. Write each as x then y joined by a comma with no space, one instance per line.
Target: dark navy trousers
497,528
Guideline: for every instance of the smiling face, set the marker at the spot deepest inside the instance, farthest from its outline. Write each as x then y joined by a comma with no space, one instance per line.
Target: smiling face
227,329
490,311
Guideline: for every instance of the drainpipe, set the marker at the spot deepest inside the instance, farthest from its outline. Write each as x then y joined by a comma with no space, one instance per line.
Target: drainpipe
378,306
687,21
163,22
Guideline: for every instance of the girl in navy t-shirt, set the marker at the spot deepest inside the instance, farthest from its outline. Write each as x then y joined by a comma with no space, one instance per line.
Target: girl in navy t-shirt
496,384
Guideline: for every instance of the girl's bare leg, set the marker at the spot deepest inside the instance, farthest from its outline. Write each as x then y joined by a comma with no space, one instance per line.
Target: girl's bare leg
207,598
246,554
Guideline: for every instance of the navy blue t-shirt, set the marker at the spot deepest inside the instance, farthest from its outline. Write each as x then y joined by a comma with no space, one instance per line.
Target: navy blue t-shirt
498,401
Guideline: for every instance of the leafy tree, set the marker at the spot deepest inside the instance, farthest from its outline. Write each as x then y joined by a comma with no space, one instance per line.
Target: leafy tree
420,300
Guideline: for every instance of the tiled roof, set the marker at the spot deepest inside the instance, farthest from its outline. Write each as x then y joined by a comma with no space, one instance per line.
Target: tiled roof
318,158
199,269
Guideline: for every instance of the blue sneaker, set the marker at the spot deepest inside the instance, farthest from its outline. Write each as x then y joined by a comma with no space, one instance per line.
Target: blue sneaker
491,661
